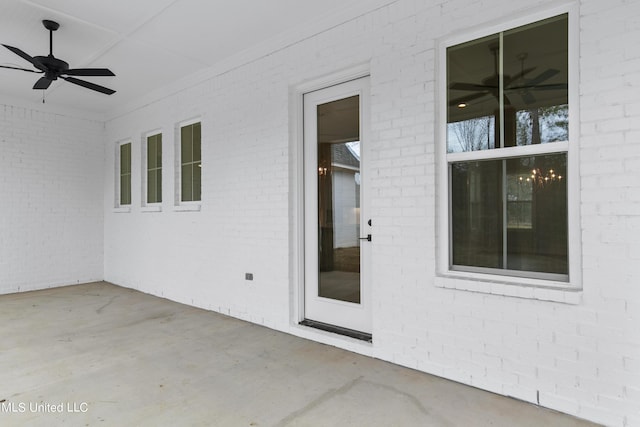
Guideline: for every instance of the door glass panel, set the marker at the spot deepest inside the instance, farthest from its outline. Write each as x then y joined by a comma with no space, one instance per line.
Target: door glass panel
339,199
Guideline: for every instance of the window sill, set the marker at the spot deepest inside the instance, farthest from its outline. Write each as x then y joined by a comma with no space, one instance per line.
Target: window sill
542,290
195,207
122,209
151,208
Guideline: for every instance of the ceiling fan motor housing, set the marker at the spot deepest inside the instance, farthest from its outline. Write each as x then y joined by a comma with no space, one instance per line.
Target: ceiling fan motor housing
51,65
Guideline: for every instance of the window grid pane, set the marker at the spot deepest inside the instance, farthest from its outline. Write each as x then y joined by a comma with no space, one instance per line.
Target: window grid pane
197,180
536,81
151,161
158,162
187,144
472,95
476,220
197,155
151,186
540,245
187,183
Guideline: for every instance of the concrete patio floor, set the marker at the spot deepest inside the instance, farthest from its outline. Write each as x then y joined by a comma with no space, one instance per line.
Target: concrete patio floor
102,355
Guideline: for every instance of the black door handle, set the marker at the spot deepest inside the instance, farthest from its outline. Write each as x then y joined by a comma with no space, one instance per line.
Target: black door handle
368,238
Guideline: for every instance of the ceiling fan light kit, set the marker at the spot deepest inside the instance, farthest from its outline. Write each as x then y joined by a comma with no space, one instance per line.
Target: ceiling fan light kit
54,68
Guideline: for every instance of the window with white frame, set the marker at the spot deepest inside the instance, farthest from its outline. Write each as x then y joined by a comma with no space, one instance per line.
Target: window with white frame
190,162
508,174
124,152
154,168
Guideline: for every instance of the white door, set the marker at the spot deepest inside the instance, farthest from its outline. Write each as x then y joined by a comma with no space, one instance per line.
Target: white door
337,228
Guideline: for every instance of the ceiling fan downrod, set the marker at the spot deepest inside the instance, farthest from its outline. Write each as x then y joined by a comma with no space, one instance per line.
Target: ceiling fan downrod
51,26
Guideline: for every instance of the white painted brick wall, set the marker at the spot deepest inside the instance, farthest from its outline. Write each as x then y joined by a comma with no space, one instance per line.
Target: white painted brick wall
583,359
51,212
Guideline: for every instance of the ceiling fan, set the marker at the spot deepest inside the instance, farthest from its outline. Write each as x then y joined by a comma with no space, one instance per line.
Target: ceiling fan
54,68
491,84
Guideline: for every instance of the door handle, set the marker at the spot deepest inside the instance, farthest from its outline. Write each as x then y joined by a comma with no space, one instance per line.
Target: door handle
368,238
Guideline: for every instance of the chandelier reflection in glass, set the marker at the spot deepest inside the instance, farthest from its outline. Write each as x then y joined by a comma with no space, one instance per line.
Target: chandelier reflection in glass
540,178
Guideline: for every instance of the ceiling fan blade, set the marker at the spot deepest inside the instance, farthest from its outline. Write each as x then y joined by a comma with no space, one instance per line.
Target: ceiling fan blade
471,87
542,77
89,72
89,85
558,86
42,83
516,77
21,69
22,54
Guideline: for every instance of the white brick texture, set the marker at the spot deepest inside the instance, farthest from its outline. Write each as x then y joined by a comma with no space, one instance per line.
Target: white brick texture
51,187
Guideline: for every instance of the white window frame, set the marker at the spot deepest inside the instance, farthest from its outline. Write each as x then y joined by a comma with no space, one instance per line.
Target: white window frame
498,283
144,144
119,208
180,205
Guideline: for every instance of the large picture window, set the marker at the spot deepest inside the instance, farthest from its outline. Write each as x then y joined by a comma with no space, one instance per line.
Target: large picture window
507,150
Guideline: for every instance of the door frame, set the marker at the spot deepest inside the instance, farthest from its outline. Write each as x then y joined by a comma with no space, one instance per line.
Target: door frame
297,184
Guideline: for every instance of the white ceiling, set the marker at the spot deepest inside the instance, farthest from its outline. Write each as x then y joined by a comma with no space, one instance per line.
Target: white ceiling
149,44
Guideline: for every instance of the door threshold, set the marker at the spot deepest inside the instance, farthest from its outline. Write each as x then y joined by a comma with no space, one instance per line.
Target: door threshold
363,336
